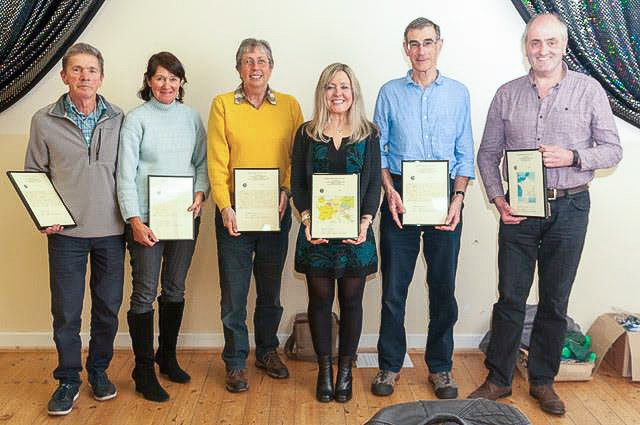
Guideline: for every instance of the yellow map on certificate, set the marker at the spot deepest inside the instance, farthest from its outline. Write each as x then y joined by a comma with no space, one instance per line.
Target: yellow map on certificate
336,208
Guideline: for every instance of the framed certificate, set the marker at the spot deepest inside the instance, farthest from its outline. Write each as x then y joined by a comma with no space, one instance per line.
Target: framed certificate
42,200
527,183
425,192
256,199
335,206
169,198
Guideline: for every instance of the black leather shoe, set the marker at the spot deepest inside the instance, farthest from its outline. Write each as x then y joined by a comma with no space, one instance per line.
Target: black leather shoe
324,384
343,391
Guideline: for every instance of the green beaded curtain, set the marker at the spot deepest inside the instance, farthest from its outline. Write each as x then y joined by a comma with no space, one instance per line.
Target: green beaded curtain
34,34
604,42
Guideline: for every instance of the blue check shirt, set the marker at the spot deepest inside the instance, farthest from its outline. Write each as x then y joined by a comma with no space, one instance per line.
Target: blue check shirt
425,124
86,123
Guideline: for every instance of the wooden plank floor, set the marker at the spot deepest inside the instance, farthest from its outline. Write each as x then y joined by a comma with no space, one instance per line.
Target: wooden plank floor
26,385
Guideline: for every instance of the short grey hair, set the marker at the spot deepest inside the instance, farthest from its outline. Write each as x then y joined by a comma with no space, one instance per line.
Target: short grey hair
561,21
83,49
418,24
249,44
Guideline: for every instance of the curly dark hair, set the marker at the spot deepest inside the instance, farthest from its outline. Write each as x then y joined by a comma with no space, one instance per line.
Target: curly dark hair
169,62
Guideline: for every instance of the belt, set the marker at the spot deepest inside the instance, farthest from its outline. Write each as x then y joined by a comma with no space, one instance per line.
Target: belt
553,194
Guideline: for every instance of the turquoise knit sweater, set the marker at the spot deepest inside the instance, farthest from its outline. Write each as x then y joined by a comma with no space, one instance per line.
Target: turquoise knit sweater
158,139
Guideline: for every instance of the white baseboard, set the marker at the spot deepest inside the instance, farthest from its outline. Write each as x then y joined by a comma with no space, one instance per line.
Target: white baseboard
25,340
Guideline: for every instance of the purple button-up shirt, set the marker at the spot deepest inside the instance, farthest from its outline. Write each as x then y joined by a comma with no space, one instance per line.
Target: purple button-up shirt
575,115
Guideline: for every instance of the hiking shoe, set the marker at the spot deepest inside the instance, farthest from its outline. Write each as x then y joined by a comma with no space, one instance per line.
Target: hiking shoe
236,380
272,364
63,398
443,385
384,382
102,388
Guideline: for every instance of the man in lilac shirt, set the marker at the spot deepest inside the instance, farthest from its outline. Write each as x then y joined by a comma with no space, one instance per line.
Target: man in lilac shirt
566,115
422,116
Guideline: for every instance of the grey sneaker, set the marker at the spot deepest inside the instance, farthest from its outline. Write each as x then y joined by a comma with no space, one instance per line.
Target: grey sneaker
443,385
384,382
102,388
62,399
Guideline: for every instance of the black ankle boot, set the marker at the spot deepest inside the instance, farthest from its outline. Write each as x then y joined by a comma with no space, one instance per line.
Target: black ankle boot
344,380
170,320
324,385
144,374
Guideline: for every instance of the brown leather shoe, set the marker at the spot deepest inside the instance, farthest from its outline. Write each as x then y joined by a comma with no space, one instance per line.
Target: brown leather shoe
236,380
490,391
272,364
549,401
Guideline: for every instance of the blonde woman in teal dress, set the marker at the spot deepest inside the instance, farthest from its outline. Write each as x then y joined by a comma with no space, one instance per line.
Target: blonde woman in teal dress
339,139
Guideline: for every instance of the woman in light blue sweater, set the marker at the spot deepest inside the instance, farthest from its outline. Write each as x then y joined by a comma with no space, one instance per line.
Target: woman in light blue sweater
161,137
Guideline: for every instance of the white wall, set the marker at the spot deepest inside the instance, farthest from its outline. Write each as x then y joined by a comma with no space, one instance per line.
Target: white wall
481,49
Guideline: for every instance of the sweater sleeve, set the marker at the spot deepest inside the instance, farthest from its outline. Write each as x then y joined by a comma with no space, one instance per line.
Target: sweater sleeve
218,155
296,116
299,182
131,135
37,156
199,159
371,198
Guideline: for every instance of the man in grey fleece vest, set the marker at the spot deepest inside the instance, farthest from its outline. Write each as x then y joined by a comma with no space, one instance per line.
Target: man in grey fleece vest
75,140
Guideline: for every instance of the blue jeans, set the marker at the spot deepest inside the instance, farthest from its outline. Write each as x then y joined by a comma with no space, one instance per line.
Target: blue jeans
264,254
556,244
399,249
167,260
67,273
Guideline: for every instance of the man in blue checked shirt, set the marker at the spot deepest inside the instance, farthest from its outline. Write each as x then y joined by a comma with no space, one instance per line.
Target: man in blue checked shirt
422,116
75,141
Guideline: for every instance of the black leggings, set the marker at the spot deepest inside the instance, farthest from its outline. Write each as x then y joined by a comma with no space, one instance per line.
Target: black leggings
321,295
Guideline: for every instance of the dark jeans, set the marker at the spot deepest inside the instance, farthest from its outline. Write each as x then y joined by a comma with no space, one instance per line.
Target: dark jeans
167,260
264,254
399,249
556,244
67,274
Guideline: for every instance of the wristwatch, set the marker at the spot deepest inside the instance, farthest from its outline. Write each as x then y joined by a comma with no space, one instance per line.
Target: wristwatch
459,192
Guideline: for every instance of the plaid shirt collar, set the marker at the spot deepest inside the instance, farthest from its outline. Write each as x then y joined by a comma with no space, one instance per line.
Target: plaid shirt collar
73,113
86,123
239,96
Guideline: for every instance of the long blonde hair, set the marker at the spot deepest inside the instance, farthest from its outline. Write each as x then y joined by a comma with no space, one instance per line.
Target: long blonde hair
361,127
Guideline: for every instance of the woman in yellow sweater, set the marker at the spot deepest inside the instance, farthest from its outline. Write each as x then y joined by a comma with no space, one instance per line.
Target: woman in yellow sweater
251,127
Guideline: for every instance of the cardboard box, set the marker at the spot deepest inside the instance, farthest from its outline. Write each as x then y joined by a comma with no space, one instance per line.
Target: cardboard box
621,349
569,370
611,343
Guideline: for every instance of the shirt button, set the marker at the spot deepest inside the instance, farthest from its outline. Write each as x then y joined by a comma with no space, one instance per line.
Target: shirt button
540,116
425,117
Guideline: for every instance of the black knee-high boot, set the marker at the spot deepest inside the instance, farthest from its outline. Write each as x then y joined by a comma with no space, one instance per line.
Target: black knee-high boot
344,380
170,321
324,385
144,374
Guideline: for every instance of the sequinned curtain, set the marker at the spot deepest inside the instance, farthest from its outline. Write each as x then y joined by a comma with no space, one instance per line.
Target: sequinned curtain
604,42
34,34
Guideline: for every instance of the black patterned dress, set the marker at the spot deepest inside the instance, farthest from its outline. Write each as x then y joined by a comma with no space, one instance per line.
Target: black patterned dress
336,259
